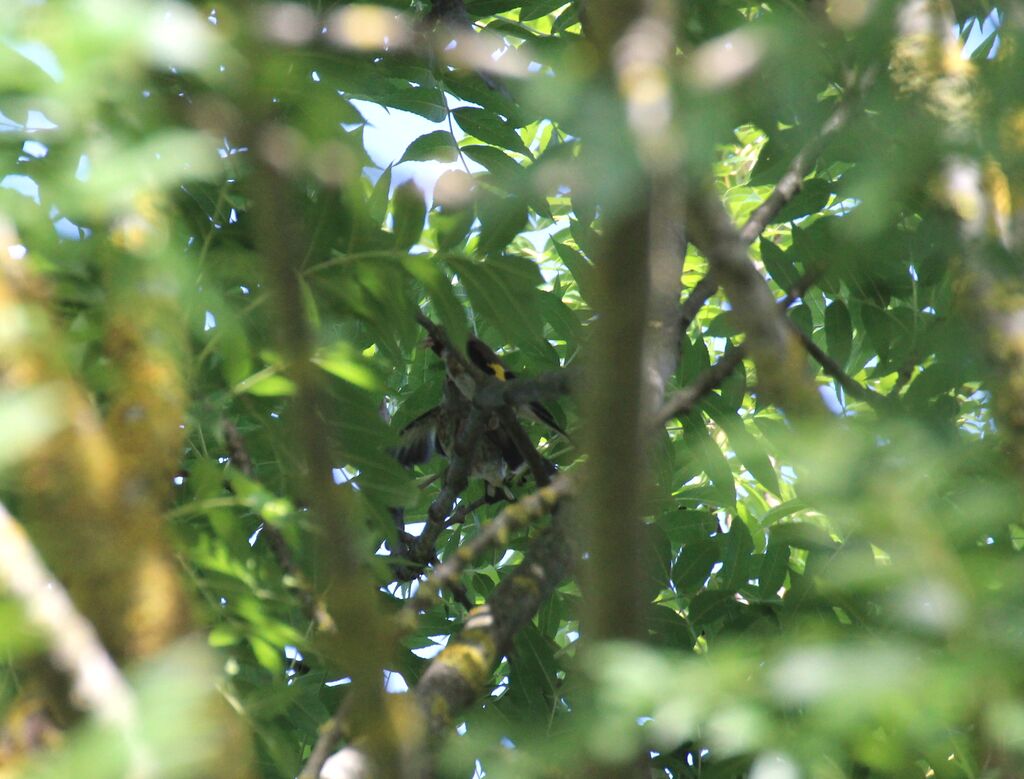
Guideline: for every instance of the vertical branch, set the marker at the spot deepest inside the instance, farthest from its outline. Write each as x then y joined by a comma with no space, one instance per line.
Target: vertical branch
93,493
340,573
624,376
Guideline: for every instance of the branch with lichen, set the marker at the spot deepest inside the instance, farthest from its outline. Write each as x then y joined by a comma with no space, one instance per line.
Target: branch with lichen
97,686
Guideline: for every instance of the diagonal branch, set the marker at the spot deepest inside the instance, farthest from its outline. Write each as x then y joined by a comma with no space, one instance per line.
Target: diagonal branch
792,180
787,187
685,400
97,685
776,353
456,477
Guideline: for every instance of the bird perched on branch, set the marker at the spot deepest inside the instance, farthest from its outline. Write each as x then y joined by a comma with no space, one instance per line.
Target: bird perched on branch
438,429
487,360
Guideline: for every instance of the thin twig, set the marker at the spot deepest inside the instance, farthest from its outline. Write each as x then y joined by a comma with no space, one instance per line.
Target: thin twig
464,510
793,179
833,369
238,454
327,737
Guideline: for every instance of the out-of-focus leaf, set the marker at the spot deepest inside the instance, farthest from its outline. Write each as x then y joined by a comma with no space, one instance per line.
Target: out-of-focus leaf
501,219
426,270
801,317
580,268
801,535
534,9
342,360
838,332
533,666
811,198
737,547
377,207
774,567
410,211
29,418
438,145
711,606
779,265
266,383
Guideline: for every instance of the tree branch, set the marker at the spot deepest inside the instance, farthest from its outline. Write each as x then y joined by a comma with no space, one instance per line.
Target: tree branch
97,685
780,363
686,399
792,180
833,369
788,185
456,477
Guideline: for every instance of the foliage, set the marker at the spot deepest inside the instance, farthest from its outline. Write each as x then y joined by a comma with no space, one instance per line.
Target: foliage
209,307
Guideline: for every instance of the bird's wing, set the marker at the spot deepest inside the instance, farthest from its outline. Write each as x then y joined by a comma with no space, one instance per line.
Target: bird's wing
417,441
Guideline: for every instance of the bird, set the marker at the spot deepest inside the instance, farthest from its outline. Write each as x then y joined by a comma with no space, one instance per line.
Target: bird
487,360
436,431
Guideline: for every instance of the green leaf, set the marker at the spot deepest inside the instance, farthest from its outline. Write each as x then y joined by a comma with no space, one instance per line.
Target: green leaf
737,548
802,318
937,379
377,206
472,88
774,567
711,606
779,265
503,290
694,360
688,527
410,212
694,565
709,455
341,359
657,554
509,172
490,128
838,332
802,535
811,198
427,102
501,220
748,448
490,7
782,511
439,145
669,628
266,383
427,271
206,477
532,681
580,268
879,326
